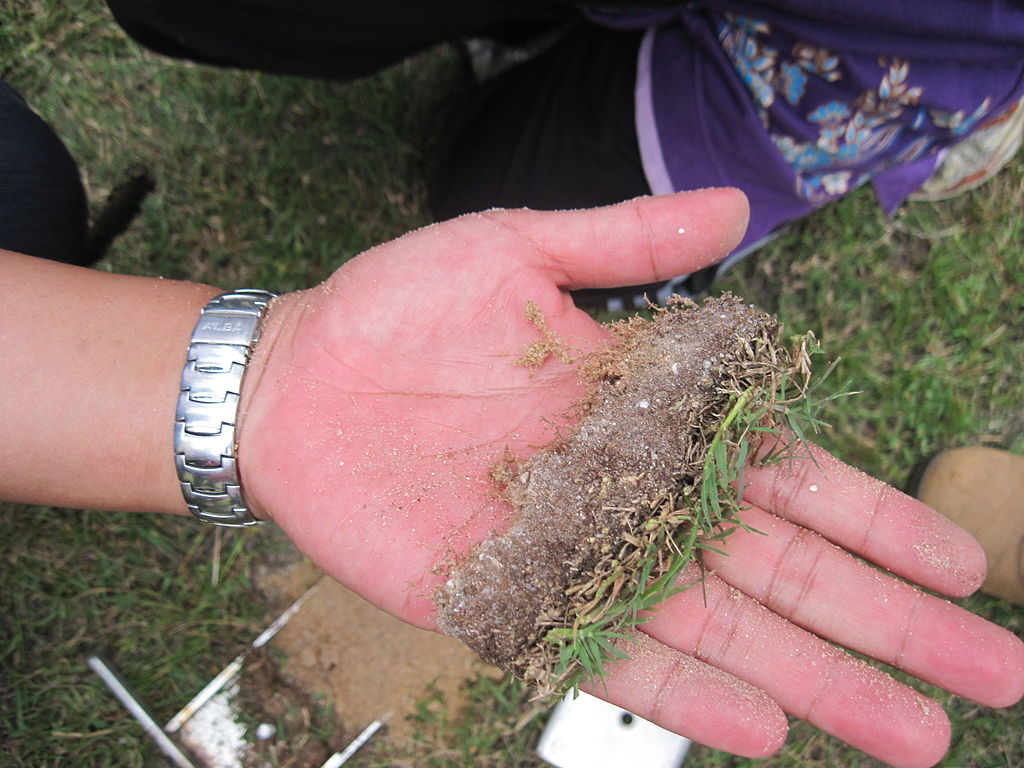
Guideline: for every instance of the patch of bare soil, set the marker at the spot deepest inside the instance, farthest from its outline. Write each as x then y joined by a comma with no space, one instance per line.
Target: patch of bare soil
341,652
582,505
367,663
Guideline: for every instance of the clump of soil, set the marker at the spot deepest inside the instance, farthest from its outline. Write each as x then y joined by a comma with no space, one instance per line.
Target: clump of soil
584,506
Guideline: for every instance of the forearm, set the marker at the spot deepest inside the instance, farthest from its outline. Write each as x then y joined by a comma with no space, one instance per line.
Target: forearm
92,363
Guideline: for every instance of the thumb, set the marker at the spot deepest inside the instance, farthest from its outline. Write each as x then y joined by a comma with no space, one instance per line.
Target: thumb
638,241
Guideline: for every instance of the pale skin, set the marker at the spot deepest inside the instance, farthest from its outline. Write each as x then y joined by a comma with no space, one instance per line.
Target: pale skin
376,403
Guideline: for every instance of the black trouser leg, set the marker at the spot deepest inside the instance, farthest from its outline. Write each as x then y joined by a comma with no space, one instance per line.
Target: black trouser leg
555,132
43,209
335,39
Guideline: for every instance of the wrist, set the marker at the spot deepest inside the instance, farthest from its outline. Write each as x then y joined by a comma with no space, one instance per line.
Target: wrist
265,377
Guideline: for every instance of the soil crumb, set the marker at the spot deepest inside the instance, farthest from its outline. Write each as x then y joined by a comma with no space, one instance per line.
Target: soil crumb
657,395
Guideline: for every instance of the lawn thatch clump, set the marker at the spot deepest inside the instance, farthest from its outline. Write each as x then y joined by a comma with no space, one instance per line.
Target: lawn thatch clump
606,518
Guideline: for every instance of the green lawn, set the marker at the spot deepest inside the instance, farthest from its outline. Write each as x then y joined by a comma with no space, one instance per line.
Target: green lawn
273,182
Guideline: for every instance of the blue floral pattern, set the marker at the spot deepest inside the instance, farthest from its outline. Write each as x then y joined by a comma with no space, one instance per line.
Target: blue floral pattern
883,127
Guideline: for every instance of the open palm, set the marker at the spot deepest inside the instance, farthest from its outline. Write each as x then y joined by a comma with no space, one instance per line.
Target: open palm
380,400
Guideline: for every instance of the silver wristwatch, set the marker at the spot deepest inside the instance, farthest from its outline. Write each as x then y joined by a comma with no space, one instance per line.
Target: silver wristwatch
204,425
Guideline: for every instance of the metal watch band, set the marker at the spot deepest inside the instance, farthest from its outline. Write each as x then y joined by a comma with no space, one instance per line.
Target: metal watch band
204,424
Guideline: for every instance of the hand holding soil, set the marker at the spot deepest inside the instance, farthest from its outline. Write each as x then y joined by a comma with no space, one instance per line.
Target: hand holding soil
379,403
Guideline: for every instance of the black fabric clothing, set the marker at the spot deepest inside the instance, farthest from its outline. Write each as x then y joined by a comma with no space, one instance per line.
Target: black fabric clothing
554,132
326,38
43,208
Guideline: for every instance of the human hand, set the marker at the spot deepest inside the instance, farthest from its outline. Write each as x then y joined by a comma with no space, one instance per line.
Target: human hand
377,403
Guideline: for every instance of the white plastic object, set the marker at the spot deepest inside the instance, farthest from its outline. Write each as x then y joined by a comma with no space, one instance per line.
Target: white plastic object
586,732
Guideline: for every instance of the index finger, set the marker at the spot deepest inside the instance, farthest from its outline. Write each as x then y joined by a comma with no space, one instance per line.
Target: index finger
872,519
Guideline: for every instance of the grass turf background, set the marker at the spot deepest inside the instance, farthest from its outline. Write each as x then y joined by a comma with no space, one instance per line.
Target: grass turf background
274,182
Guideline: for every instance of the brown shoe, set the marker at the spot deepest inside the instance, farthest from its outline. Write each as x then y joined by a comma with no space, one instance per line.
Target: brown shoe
982,490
